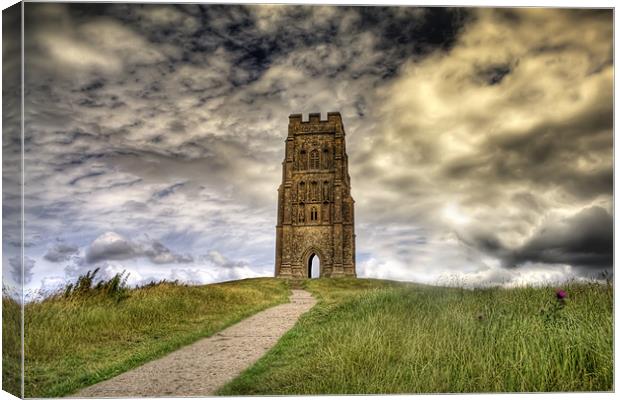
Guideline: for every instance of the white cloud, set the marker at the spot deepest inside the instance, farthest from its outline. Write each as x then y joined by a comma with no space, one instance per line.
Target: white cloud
111,246
69,52
530,274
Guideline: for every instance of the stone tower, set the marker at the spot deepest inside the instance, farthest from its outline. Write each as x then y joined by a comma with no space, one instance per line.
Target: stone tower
315,207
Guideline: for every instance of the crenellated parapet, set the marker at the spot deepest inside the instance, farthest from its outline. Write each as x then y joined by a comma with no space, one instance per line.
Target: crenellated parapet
314,124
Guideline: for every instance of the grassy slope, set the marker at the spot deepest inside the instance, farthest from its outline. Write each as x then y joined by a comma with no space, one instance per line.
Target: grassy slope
382,337
72,344
11,346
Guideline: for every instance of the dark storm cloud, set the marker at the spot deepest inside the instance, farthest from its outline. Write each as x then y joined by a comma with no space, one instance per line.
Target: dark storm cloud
546,153
89,175
60,252
502,138
585,240
468,130
167,191
256,36
160,254
112,246
11,150
16,269
221,261
492,74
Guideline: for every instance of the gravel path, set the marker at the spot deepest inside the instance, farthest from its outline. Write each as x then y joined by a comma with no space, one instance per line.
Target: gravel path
201,368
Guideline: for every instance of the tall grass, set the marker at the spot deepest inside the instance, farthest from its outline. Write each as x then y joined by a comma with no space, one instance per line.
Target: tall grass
91,332
11,345
381,337
114,288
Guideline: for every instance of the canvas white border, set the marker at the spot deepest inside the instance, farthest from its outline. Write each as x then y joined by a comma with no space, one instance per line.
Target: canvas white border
457,3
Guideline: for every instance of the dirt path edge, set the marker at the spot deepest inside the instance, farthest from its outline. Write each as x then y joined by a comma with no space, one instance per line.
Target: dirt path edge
201,368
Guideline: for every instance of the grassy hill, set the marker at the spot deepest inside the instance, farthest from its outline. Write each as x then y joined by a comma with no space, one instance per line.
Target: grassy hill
11,346
364,336
368,336
75,341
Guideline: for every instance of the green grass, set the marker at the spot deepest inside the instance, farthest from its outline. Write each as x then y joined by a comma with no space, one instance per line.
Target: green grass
11,346
73,342
369,336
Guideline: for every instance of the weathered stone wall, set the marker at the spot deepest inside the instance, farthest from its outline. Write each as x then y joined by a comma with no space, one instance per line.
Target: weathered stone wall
315,207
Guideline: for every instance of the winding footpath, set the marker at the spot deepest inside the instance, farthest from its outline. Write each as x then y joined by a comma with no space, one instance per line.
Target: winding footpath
201,368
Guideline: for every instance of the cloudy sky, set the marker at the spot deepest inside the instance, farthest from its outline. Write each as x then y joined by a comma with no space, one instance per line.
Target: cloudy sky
479,140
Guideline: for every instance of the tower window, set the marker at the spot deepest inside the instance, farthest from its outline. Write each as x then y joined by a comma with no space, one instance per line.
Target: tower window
314,160
303,160
325,191
314,215
302,214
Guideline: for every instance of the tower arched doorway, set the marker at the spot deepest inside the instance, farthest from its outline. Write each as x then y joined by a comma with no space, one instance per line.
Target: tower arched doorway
314,266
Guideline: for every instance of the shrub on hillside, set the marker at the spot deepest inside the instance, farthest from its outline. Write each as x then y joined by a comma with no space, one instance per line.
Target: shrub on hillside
162,282
115,287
